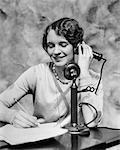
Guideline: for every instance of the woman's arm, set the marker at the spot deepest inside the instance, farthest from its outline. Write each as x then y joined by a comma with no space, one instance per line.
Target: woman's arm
89,78
6,114
17,118
22,86
96,100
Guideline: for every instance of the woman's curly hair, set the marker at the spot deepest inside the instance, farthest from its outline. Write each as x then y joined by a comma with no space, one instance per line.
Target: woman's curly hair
66,27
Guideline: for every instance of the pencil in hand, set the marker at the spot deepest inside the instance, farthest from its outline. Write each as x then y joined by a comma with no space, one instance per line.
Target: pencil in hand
24,110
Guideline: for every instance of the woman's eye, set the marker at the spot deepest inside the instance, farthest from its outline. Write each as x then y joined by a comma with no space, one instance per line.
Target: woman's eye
63,44
50,45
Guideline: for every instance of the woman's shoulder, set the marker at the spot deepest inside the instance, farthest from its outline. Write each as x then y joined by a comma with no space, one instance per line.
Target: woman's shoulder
32,73
39,67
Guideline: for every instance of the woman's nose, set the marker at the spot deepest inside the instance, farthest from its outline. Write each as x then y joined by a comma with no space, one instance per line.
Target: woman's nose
57,50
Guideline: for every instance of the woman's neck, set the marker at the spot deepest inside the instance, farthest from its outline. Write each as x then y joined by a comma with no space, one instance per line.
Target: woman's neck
60,71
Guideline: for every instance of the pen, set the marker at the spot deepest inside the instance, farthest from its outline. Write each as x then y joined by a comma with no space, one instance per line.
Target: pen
24,110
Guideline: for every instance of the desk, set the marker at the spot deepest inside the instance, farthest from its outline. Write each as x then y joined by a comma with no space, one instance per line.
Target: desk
99,139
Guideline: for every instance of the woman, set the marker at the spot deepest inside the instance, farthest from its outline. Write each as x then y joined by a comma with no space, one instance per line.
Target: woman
62,40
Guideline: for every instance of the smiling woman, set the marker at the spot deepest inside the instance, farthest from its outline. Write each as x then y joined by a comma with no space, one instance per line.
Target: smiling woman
62,39
60,50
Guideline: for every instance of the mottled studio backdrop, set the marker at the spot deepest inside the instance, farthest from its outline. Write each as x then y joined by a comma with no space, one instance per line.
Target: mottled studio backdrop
21,26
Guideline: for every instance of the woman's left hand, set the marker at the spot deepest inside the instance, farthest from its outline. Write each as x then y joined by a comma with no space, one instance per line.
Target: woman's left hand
84,58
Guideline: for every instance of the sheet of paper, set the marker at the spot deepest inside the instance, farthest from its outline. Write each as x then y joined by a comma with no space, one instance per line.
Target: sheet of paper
15,136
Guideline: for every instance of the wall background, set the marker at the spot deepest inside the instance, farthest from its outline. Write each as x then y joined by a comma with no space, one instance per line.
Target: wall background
21,26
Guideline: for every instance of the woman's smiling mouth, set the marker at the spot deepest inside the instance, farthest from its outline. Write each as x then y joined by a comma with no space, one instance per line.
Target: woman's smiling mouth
58,58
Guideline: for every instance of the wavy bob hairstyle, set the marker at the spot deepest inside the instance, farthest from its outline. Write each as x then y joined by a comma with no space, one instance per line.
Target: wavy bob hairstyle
66,27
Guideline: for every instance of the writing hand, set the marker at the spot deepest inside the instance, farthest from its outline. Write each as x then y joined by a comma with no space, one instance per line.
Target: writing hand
23,120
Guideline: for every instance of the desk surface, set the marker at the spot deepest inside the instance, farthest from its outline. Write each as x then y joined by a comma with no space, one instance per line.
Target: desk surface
99,138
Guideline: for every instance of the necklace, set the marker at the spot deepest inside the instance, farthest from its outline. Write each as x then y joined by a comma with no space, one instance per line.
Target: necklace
56,75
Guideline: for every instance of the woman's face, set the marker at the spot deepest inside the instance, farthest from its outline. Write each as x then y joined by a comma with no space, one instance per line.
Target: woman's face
59,49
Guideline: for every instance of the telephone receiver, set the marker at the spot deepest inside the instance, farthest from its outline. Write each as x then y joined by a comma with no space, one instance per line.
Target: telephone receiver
96,55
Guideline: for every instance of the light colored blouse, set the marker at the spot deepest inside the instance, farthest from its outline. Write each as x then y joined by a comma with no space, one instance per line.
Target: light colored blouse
48,103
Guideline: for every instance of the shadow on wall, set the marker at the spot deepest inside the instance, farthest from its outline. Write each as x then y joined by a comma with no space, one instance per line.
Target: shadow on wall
21,28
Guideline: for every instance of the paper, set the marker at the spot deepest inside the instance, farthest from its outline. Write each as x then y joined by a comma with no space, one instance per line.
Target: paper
14,136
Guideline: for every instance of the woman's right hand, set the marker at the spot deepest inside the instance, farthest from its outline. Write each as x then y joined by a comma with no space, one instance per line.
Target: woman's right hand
21,119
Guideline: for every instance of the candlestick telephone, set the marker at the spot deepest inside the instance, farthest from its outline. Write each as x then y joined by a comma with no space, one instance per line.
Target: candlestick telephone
72,72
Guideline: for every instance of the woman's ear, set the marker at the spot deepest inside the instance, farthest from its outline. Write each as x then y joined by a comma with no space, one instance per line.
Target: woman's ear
76,53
